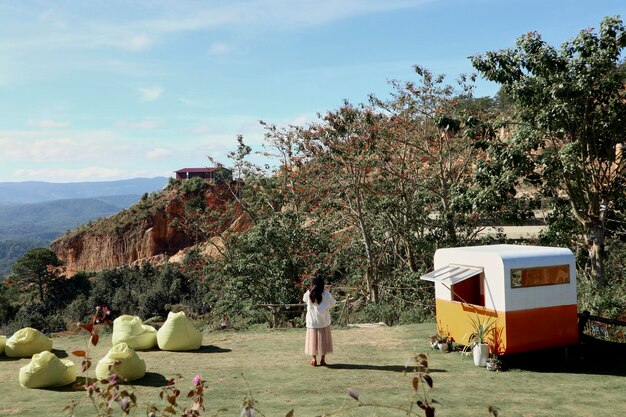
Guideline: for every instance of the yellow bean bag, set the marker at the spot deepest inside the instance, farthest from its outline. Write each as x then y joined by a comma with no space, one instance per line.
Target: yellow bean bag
178,334
3,342
26,342
46,370
130,365
138,336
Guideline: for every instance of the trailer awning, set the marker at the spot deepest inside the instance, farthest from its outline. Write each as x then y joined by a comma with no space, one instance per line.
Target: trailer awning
452,274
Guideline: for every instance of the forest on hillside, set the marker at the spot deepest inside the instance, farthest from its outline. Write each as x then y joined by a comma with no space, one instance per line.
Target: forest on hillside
370,191
27,226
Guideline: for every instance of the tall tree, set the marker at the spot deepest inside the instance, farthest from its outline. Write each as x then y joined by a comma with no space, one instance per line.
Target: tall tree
571,115
341,164
443,189
36,267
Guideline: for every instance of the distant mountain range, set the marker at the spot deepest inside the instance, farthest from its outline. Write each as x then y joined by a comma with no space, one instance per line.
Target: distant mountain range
40,191
34,213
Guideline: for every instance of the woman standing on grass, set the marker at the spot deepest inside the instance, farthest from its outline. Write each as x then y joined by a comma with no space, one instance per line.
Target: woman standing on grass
319,340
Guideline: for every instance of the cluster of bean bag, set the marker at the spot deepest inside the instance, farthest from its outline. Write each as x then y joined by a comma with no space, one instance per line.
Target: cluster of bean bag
129,366
130,330
26,342
178,334
3,342
129,334
46,370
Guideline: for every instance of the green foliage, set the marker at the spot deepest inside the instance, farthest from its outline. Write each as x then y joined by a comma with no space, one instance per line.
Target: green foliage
483,329
608,300
265,265
173,182
34,268
569,107
377,313
38,316
77,311
194,185
146,291
9,303
11,249
63,291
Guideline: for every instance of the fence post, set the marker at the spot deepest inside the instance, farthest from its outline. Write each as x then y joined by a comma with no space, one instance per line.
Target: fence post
583,318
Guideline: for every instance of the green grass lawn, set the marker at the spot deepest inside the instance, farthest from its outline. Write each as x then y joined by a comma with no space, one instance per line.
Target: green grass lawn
370,360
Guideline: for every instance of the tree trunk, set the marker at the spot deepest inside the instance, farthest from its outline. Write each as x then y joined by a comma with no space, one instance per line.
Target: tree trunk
372,288
410,256
40,285
370,276
596,254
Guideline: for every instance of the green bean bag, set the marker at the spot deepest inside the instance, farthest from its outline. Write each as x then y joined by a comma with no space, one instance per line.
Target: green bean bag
129,368
130,330
178,334
26,342
46,370
3,342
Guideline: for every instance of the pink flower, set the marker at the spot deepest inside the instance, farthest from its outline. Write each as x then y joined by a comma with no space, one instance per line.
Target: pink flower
197,380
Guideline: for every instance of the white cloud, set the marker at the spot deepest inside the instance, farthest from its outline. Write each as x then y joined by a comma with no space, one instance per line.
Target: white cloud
201,129
158,153
95,26
138,43
47,123
278,14
73,174
53,18
146,124
50,147
149,94
219,48
303,120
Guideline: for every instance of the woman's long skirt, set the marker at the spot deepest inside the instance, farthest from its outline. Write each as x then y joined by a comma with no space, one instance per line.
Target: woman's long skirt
318,341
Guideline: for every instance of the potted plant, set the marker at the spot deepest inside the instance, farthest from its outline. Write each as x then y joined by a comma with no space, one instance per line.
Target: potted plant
493,364
478,340
441,340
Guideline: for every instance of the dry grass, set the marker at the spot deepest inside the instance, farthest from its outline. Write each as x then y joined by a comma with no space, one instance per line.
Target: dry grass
371,360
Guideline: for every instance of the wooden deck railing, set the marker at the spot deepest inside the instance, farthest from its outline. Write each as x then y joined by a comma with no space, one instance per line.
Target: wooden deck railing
602,330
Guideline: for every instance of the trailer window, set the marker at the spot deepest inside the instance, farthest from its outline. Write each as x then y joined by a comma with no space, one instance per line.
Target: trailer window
545,275
470,291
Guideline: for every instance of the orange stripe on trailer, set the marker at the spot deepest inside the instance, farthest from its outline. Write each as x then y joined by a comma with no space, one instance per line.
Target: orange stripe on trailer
541,328
516,331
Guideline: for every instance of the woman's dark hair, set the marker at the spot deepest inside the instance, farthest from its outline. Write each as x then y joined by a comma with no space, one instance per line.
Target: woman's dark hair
317,288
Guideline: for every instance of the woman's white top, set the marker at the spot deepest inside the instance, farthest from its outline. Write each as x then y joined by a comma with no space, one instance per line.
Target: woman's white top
318,315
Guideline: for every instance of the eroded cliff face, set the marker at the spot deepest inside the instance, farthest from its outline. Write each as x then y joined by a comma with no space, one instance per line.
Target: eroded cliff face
151,230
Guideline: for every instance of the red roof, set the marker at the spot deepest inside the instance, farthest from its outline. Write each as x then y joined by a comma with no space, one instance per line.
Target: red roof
197,170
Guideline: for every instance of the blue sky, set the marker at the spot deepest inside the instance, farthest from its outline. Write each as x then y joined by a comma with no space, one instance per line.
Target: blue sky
105,90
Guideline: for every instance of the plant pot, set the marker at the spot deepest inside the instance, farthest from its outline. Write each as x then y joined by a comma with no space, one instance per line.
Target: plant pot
480,352
493,366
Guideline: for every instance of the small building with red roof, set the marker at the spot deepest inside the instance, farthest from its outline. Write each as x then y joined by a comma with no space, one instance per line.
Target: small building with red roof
213,173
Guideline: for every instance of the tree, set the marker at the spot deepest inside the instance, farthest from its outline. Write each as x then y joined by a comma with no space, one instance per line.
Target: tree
570,120
341,156
36,267
442,186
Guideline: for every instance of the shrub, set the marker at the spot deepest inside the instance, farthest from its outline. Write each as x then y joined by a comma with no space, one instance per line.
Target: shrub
79,310
194,186
376,313
38,316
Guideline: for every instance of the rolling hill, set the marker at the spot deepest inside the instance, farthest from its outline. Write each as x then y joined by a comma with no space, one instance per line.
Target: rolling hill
33,213
27,226
12,193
